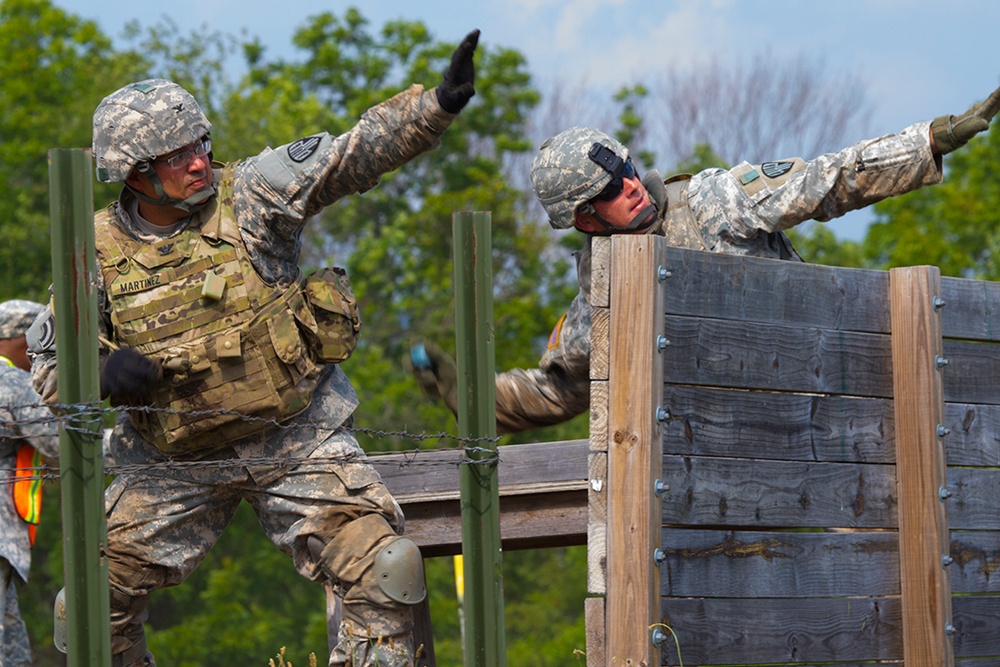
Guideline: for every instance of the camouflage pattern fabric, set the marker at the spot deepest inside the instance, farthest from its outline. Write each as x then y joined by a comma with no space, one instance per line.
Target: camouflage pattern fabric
274,195
16,316
741,211
16,652
22,420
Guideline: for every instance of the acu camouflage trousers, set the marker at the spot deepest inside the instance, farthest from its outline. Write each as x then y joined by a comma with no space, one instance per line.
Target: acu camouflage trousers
161,525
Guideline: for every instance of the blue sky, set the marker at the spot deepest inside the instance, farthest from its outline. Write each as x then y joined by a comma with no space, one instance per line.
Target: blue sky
918,58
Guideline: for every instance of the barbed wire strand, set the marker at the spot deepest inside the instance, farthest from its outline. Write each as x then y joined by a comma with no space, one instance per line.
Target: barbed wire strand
88,419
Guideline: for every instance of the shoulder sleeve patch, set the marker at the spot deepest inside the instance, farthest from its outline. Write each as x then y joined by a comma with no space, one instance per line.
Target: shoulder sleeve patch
776,169
302,149
778,172
556,334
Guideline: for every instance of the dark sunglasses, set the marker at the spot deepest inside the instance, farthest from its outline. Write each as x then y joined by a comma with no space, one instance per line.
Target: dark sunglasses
614,188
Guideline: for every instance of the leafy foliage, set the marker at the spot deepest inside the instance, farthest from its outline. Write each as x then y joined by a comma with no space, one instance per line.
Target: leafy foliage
55,68
952,225
246,600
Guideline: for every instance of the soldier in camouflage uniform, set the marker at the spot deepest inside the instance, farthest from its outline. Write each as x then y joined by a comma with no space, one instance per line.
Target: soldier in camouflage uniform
203,307
585,179
27,428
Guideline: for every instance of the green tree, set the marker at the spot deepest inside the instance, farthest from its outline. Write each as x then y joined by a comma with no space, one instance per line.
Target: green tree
54,69
952,225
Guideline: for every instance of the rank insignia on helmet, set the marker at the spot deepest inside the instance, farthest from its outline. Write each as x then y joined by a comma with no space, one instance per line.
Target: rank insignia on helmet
303,148
776,169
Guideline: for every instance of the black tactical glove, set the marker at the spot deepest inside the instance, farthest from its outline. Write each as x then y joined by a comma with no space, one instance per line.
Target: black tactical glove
436,373
951,132
128,377
457,88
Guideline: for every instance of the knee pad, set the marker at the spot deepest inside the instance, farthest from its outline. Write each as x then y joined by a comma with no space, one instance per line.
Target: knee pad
399,569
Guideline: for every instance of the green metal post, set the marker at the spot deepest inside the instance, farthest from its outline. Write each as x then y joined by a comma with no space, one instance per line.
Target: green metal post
484,615
88,634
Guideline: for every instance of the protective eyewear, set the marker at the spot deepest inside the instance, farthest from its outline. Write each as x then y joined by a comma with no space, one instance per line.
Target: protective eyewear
613,189
183,159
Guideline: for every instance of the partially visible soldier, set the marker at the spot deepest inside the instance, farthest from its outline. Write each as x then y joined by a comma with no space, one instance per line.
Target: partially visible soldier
585,180
28,436
209,323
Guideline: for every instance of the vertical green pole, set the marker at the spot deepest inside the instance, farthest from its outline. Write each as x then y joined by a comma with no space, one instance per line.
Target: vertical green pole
484,617
88,634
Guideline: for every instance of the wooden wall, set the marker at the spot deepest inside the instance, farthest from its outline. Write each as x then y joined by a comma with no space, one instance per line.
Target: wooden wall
780,523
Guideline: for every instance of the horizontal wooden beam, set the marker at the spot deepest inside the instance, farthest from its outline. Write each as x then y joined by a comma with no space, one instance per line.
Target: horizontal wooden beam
543,495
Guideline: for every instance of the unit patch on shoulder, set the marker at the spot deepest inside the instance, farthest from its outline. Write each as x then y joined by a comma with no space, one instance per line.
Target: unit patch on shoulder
303,148
776,169
556,334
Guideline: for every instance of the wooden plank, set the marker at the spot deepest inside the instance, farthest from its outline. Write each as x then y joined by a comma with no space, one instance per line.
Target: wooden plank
977,560
779,494
770,564
527,521
707,421
974,500
729,353
600,343
971,310
973,437
600,272
971,373
433,474
593,614
599,416
634,450
920,466
977,626
597,526
776,631
723,286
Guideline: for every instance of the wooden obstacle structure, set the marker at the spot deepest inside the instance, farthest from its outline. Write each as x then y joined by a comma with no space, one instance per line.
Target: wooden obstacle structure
788,464
828,490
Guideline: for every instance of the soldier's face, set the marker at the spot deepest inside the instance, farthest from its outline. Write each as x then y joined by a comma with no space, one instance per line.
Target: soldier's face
619,211
188,174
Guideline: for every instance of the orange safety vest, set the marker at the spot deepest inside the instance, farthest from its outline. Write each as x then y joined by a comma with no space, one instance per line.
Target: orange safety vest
28,488
27,483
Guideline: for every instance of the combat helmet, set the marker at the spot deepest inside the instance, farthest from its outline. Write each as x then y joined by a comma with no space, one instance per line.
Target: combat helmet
140,122
564,175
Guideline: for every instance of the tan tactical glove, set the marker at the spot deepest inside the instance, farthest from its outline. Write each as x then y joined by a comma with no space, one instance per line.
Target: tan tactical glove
951,132
435,372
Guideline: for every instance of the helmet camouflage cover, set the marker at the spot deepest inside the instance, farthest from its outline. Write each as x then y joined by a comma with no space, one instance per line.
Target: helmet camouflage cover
563,175
141,122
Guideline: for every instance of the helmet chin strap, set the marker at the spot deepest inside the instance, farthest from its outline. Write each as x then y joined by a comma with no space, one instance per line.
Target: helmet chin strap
192,204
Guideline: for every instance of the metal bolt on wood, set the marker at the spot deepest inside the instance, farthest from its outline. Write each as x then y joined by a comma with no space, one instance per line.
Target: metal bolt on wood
661,487
940,361
662,415
944,493
950,630
659,556
662,342
946,560
662,274
939,303
659,636
942,431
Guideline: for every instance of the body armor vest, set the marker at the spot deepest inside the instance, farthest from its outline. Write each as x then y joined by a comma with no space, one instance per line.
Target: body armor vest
237,354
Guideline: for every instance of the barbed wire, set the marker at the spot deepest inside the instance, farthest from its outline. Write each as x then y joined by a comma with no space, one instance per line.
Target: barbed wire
88,419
